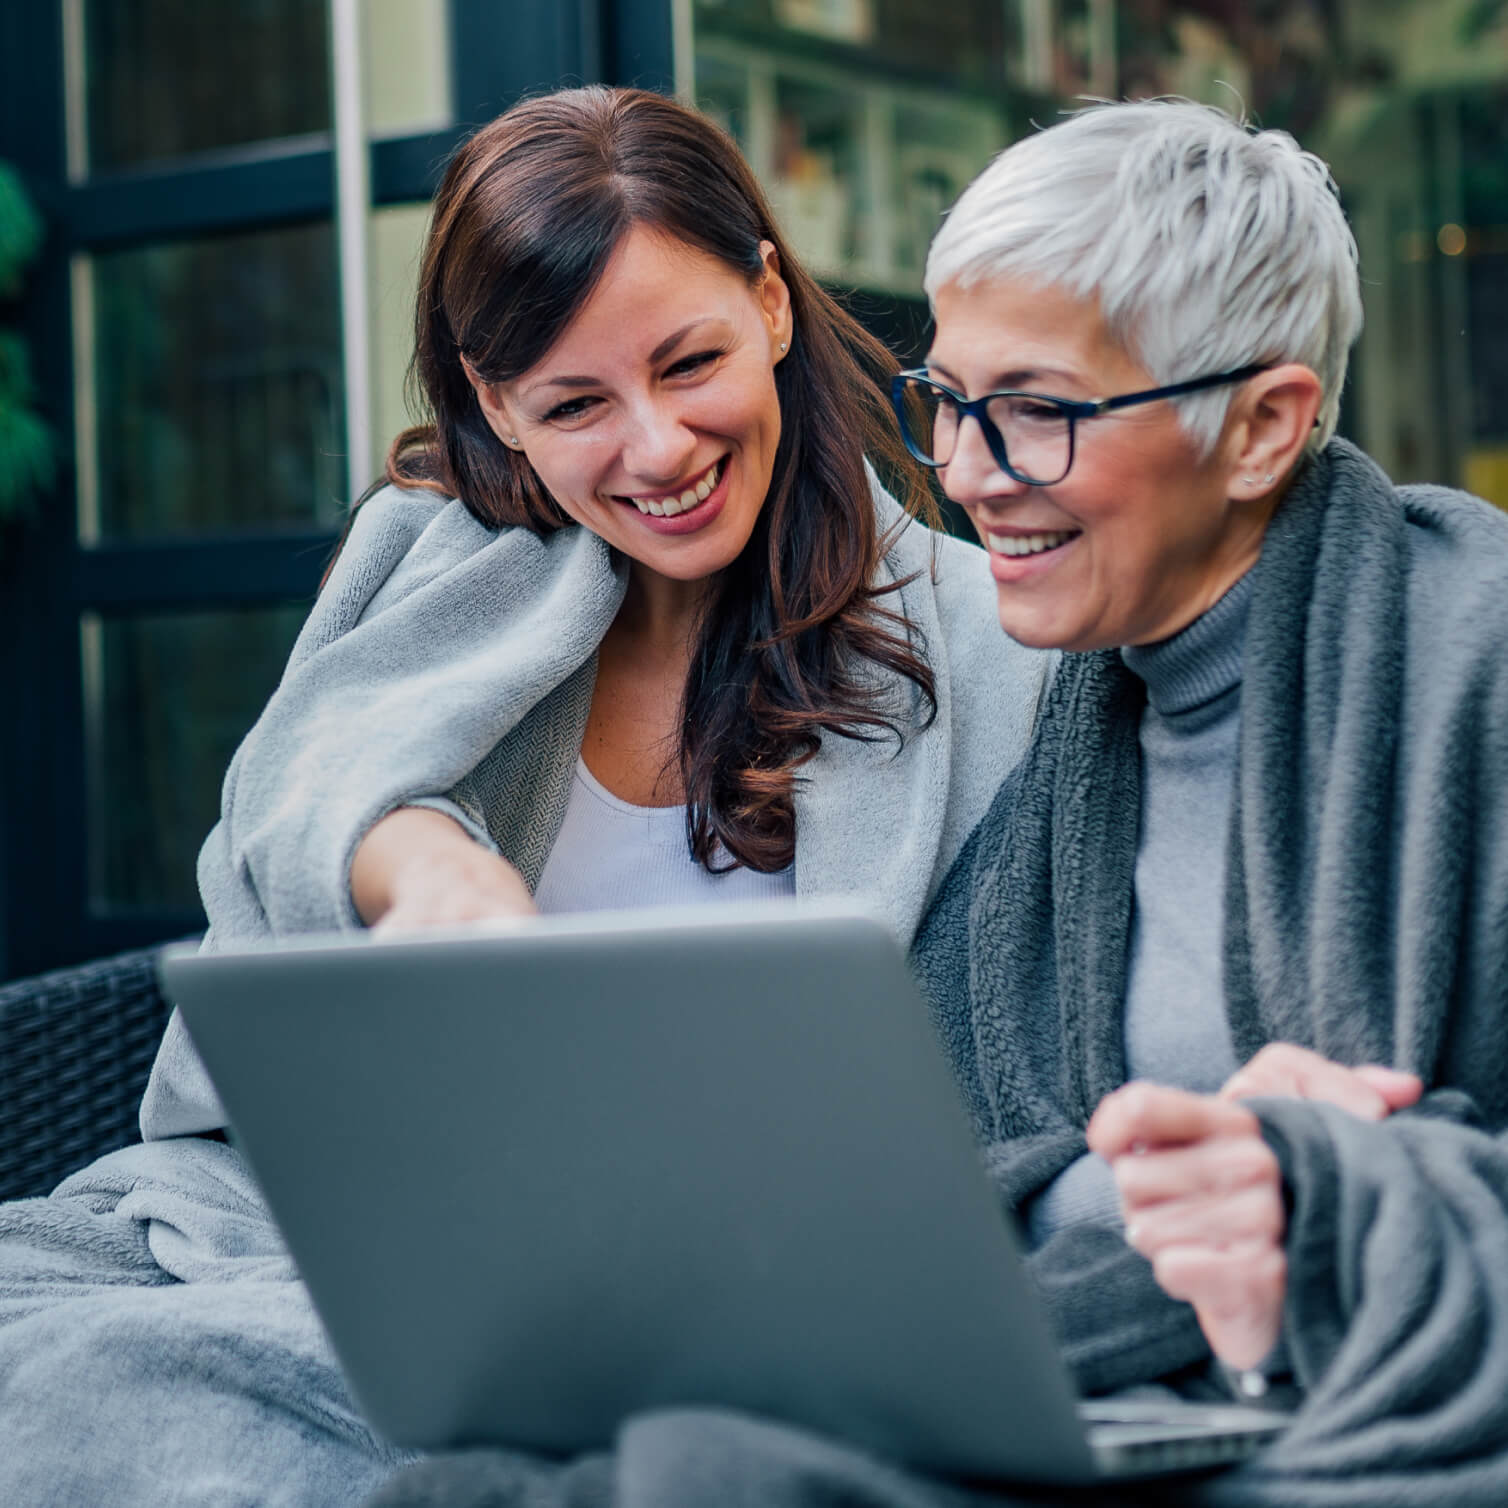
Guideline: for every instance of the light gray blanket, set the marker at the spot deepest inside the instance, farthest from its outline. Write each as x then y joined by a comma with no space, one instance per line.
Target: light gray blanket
155,1345
157,1350
449,664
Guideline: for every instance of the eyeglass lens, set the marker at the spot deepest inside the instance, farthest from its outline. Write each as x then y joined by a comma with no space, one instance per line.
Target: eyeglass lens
1037,436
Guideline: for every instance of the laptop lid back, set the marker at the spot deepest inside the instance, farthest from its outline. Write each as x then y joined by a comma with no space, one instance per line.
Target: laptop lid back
538,1181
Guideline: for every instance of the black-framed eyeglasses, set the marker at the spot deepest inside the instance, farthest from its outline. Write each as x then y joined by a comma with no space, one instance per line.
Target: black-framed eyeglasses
1030,435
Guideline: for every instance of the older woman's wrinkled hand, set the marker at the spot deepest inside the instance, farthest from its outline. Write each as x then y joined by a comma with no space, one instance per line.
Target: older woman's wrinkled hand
1202,1193
1202,1196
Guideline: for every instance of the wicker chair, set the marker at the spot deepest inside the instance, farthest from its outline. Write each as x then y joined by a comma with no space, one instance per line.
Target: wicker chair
76,1046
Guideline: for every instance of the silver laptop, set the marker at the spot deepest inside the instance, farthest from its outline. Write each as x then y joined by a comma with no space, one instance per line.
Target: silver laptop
542,1179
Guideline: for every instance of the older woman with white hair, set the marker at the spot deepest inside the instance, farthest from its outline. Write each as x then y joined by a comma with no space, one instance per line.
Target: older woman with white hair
1239,921
1258,846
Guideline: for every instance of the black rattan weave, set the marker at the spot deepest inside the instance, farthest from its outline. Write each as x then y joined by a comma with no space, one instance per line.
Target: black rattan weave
75,1049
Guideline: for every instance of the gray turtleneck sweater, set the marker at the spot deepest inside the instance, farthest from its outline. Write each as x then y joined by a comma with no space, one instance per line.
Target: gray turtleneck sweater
1175,1024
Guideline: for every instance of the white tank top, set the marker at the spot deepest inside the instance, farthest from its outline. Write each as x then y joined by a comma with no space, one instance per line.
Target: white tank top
612,855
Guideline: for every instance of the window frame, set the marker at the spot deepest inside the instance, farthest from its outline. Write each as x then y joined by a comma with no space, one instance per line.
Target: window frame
48,579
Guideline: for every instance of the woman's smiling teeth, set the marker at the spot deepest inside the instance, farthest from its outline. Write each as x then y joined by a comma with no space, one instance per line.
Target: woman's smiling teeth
684,501
1028,544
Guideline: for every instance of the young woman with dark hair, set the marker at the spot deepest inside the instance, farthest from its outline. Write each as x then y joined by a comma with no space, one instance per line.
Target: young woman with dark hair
634,621
573,213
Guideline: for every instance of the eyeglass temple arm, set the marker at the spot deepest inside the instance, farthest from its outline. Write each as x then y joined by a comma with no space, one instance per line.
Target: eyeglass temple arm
1174,390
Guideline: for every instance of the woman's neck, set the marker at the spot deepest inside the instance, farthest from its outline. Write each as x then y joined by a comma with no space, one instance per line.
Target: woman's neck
659,614
632,739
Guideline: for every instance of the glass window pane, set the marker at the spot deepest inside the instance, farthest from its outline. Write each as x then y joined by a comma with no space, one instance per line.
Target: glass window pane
406,53
397,245
210,393
167,78
862,118
1481,251
865,118
816,186
167,699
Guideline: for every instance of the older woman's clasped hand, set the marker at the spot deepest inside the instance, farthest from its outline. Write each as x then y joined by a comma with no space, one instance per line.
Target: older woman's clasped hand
1202,1193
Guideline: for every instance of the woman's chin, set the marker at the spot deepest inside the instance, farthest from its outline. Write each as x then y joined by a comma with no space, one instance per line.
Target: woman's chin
1045,630
1030,629
689,558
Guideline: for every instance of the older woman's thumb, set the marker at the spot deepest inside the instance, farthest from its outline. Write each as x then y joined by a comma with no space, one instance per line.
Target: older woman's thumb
1398,1089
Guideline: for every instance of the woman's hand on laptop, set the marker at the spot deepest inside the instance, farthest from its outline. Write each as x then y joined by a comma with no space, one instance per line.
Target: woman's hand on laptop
417,868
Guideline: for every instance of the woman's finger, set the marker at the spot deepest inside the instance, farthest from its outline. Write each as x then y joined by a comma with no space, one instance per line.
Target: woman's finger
1398,1089
1286,1069
1141,1115
1219,1165
1254,1213
456,903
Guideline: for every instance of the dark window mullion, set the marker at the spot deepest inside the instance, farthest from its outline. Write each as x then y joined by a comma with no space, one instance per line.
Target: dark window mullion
41,742
128,208
613,41
103,935
547,46
255,191
638,46
407,169
214,572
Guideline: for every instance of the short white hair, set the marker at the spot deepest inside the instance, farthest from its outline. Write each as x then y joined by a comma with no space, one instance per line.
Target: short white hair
1209,245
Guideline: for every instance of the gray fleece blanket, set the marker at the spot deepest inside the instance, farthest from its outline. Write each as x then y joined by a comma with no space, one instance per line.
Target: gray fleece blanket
1366,917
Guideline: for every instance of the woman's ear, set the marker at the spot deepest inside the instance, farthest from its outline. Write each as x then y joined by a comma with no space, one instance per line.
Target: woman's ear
1278,412
774,301
494,409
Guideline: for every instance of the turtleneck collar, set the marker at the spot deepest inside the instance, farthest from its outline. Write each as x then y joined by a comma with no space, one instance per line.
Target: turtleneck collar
1198,663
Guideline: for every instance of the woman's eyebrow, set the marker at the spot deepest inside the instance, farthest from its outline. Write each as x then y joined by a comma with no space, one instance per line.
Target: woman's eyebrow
659,353
669,344
1002,380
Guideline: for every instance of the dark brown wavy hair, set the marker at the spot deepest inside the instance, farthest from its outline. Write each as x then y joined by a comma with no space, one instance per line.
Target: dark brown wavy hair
530,211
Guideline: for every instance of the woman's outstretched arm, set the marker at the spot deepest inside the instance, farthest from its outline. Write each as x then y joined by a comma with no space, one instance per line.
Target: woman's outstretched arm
419,868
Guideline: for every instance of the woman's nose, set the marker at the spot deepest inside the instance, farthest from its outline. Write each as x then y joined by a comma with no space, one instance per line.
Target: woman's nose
658,445
972,474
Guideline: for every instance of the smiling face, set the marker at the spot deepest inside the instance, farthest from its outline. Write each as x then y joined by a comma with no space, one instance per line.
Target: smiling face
1142,535
653,421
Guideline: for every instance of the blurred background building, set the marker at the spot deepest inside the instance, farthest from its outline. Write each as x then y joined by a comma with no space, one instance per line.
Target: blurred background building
212,407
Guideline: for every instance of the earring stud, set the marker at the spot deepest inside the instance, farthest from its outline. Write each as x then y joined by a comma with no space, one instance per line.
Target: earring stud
513,441
782,345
